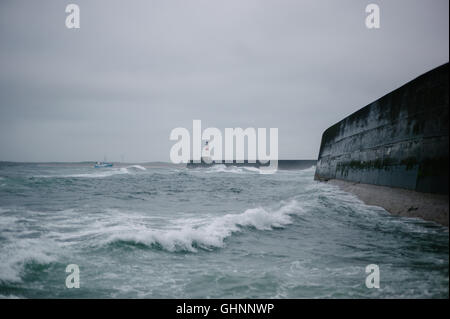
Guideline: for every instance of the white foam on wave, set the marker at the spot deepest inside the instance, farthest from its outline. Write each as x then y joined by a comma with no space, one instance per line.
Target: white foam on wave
309,169
15,255
252,169
221,168
9,297
102,172
139,167
210,234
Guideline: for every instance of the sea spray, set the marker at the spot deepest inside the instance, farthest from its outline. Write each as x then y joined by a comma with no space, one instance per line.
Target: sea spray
212,233
170,232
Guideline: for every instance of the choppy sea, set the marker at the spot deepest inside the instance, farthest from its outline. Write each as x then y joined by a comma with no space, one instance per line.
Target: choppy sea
220,232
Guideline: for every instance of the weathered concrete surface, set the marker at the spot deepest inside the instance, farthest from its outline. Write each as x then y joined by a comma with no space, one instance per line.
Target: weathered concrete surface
400,140
401,202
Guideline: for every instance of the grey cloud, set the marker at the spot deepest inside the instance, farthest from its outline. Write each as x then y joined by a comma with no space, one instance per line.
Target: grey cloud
137,69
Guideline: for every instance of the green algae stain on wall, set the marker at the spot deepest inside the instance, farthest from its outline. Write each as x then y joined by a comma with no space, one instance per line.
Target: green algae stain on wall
400,140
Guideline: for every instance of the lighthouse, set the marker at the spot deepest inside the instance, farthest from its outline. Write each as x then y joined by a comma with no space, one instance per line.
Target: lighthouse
206,155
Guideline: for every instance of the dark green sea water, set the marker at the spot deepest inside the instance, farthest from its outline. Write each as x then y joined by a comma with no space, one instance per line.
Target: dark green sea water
164,232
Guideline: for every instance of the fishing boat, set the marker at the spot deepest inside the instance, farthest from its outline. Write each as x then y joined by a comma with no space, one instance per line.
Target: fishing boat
103,164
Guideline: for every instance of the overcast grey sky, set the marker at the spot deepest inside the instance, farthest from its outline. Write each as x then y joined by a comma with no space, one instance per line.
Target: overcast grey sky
137,69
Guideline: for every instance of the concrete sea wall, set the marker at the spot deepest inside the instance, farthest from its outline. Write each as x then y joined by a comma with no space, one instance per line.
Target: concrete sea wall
400,140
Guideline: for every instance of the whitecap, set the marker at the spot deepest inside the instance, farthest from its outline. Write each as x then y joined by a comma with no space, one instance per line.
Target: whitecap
209,234
138,167
14,256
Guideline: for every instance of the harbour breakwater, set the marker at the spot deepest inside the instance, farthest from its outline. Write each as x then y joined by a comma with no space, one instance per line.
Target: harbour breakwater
398,141
282,164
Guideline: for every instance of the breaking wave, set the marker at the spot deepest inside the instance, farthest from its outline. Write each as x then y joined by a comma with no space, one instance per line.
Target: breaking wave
221,168
103,172
100,174
15,257
137,167
208,235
